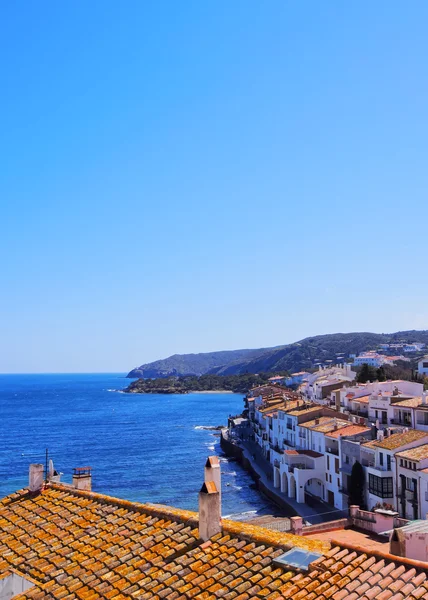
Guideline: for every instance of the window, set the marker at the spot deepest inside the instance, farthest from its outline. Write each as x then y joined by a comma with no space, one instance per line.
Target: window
388,462
401,462
410,484
380,486
346,459
326,477
328,462
336,465
425,365
381,459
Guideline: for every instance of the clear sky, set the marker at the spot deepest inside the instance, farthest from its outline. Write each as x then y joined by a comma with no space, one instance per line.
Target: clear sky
193,176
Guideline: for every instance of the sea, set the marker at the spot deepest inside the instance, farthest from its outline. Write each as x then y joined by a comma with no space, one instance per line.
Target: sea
141,447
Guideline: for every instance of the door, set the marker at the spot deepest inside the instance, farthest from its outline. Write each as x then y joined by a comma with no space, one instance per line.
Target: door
330,497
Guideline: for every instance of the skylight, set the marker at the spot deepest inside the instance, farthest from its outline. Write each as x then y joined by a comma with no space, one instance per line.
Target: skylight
297,559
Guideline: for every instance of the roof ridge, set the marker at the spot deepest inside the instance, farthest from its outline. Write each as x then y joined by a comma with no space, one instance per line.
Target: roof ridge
411,562
254,533
159,510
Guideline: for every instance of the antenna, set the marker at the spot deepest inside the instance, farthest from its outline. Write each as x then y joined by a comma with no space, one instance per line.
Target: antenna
46,465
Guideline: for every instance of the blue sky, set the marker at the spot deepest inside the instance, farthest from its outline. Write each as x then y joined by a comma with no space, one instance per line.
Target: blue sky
195,176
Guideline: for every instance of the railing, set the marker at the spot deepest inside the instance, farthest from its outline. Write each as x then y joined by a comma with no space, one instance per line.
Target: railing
426,496
367,463
276,463
291,468
382,467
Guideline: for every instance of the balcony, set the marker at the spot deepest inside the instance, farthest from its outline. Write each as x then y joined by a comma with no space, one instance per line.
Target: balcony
291,468
334,451
367,463
276,463
382,468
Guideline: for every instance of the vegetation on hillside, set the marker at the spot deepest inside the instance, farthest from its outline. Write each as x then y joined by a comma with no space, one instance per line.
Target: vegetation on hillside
191,364
183,385
401,371
302,355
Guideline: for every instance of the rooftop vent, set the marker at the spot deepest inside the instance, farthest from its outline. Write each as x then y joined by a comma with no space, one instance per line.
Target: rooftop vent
297,559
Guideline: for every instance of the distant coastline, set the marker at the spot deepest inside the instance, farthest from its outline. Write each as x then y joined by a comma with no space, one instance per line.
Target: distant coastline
206,384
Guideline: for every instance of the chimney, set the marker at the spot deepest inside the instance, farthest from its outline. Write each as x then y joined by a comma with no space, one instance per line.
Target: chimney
82,478
212,472
53,475
36,477
424,397
209,502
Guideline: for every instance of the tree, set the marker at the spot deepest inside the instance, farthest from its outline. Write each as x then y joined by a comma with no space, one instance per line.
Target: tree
381,375
356,485
366,373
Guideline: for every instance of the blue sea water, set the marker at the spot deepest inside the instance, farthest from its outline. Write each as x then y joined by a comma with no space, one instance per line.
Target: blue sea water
142,447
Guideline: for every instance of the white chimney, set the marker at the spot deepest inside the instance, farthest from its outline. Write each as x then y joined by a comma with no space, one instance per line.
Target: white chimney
212,472
53,476
82,478
424,397
209,503
36,479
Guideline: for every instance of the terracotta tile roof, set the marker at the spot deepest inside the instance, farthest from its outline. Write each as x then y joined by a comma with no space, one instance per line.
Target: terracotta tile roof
396,440
310,424
80,545
410,402
419,453
361,399
305,411
310,453
77,544
330,426
349,430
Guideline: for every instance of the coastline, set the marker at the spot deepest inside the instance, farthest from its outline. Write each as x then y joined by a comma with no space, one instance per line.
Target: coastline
126,391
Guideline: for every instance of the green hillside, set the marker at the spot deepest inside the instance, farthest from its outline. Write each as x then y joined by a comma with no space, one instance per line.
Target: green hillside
300,355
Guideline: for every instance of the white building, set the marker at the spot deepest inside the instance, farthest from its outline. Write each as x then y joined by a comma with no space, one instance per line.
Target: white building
373,359
378,458
423,365
412,490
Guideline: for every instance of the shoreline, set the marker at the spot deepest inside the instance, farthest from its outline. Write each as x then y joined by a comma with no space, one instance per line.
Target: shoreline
171,392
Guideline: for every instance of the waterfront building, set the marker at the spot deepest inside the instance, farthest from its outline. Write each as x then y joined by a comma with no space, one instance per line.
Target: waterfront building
379,459
423,365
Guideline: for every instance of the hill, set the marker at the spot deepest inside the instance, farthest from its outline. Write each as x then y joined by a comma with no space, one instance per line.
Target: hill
298,356
192,364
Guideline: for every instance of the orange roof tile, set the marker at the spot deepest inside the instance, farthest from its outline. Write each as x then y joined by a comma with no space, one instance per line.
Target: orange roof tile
349,430
396,440
419,453
81,545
